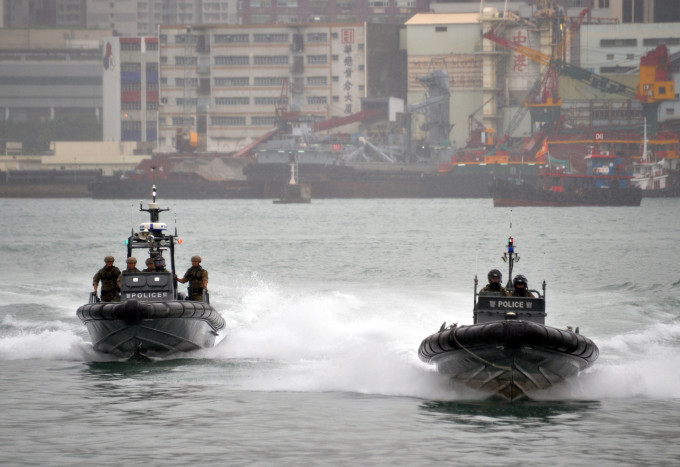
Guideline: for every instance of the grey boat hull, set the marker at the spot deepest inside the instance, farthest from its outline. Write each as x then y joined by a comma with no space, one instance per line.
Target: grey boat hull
508,359
133,329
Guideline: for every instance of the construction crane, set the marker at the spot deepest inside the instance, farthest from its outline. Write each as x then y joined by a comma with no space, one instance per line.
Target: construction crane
655,86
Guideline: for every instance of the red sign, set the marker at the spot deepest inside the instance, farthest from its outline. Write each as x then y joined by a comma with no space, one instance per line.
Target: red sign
599,136
348,36
336,147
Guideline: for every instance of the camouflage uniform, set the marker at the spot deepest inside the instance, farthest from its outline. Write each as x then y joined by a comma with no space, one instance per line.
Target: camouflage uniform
109,277
196,275
488,289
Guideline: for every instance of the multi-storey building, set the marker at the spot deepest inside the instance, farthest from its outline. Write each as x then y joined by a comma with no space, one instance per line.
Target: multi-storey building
50,72
225,83
130,78
143,17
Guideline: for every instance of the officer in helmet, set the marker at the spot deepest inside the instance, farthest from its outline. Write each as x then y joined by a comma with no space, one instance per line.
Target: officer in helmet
108,275
159,264
150,267
521,287
494,286
131,268
197,278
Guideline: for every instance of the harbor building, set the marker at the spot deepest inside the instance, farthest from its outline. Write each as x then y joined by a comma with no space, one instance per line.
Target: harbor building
50,72
222,86
130,78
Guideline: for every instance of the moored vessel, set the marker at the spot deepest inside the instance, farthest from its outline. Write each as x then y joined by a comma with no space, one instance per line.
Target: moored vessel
606,183
152,319
508,352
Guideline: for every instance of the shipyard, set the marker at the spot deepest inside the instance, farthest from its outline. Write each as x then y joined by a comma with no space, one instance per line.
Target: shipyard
436,100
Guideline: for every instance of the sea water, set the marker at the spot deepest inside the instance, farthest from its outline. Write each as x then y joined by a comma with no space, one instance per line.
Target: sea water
326,305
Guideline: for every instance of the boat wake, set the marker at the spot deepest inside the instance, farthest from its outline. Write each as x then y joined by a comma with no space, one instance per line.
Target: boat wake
363,340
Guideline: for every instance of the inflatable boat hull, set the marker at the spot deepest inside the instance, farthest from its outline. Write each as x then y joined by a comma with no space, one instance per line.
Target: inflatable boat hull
508,359
132,329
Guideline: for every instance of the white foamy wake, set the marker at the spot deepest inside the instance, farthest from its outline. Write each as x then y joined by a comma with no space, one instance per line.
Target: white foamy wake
364,339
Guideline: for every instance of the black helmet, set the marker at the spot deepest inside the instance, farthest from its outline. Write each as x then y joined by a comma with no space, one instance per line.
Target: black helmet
495,273
520,279
159,261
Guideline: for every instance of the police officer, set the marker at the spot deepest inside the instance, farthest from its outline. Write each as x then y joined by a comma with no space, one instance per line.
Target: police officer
149,265
131,267
108,275
159,264
197,278
494,286
521,287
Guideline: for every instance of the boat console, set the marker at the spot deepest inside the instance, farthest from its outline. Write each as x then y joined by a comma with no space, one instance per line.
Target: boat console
147,286
496,307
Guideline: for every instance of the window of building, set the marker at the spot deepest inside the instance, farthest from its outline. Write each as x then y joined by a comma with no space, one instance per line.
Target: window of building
180,60
317,80
269,81
152,66
187,81
336,98
667,40
317,59
241,81
226,38
152,106
269,100
361,67
317,100
228,121
130,46
130,66
151,46
335,58
131,105
232,60
130,125
280,37
269,121
232,100
610,56
130,86
440,29
188,101
618,43
603,4
317,37
270,60
336,79
183,121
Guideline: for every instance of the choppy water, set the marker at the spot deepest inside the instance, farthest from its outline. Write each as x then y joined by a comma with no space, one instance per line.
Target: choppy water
326,305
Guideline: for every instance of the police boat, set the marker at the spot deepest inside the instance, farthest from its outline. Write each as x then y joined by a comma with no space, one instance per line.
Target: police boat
508,353
152,319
